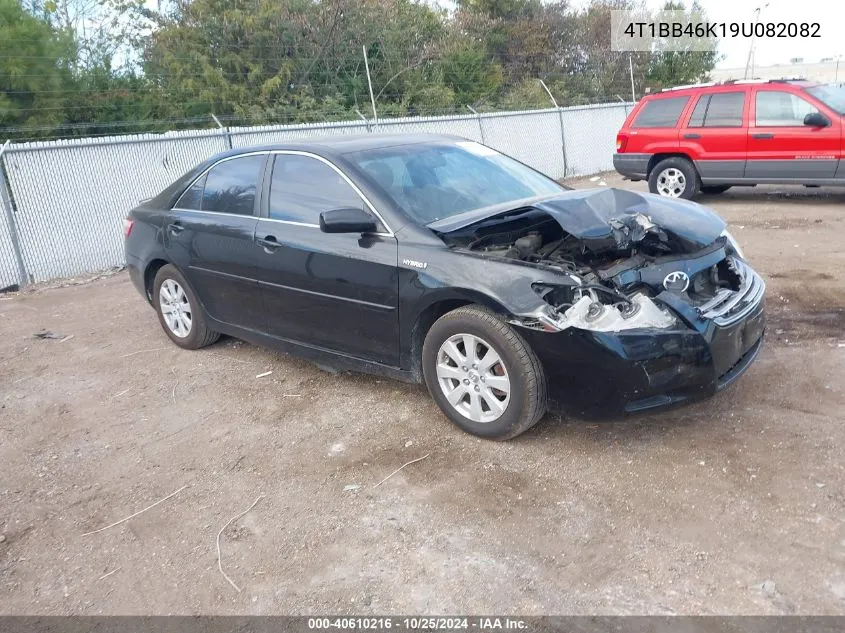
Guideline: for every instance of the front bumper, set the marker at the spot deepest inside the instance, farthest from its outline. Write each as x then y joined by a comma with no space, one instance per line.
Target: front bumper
634,166
600,374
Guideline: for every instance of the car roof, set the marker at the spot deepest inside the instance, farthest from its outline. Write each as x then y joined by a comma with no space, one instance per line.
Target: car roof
679,91
337,145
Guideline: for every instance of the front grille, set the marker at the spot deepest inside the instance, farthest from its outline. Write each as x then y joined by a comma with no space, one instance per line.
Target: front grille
730,306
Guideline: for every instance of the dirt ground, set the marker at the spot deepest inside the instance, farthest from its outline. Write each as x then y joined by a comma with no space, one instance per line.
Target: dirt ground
735,505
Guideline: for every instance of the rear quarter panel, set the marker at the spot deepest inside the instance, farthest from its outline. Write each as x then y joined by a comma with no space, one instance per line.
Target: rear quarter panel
654,140
145,242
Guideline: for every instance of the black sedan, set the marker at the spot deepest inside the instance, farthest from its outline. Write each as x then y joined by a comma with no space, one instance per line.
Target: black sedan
439,259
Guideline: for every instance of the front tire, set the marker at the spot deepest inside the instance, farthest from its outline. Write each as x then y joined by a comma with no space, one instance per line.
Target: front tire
674,177
179,311
482,374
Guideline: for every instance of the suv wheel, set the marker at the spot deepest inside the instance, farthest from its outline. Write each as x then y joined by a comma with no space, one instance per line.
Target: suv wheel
482,374
179,311
674,178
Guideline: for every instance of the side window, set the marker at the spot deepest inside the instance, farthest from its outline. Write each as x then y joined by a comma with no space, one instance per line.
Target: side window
192,198
231,185
304,187
697,117
777,108
725,110
661,112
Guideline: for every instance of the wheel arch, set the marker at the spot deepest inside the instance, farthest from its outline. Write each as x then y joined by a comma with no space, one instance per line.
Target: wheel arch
150,273
656,158
436,307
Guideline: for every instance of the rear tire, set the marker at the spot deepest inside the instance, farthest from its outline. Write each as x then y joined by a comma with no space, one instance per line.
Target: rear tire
714,189
674,177
482,374
179,311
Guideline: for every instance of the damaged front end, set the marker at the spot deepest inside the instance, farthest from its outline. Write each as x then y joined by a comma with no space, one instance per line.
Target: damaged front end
625,262
630,301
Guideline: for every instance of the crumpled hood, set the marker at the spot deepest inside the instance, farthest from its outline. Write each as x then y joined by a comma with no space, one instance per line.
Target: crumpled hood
614,215
595,213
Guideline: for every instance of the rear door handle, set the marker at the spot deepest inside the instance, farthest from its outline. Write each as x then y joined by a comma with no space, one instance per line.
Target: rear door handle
268,242
692,135
175,228
763,136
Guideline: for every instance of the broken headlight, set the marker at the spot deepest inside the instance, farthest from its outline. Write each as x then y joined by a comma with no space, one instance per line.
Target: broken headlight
732,243
587,313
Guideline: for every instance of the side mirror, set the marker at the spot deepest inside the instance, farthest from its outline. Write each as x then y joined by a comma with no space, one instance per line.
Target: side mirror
816,119
348,220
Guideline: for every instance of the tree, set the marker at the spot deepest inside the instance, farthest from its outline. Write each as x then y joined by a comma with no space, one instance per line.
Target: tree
672,68
35,62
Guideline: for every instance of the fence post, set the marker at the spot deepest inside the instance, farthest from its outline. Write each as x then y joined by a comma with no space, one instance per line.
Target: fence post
364,119
6,203
225,130
560,118
480,124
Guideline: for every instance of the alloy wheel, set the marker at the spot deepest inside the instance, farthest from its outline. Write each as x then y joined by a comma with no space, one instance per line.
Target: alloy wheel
473,377
175,308
671,182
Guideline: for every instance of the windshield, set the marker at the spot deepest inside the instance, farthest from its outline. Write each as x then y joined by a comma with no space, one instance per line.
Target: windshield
832,95
432,181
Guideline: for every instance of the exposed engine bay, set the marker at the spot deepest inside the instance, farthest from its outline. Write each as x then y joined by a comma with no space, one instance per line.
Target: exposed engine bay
612,272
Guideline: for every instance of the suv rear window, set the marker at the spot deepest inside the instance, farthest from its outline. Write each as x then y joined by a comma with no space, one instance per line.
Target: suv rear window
722,109
661,112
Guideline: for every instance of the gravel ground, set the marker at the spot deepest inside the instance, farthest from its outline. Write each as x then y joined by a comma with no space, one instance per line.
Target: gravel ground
730,506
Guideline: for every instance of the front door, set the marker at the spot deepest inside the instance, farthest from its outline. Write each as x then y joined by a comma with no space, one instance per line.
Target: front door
780,146
716,137
209,236
334,291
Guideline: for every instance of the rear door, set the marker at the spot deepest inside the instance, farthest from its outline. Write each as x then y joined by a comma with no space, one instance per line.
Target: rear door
209,237
335,291
781,147
715,135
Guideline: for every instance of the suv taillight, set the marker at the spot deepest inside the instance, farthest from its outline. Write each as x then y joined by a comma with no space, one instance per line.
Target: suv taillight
621,142
128,223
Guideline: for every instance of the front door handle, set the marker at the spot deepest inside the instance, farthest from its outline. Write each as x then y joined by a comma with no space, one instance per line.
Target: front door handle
268,242
763,136
175,228
692,135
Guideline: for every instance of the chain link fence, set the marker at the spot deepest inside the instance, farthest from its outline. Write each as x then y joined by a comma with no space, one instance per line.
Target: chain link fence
64,201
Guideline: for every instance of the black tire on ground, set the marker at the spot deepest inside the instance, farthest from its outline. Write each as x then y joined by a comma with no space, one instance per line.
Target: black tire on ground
199,334
691,180
527,400
714,189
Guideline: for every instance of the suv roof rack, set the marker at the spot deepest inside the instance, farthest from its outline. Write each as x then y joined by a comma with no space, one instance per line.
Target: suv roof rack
735,82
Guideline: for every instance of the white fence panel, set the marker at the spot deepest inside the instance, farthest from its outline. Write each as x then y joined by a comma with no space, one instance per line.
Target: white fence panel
463,126
590,137
8,264
269,134
532,137
71,196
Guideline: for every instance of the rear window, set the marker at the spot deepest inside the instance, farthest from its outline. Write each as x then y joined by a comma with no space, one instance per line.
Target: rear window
718,110
661,112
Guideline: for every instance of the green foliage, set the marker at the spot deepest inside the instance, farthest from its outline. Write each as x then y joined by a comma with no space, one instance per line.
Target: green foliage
34,68
112,66
668,68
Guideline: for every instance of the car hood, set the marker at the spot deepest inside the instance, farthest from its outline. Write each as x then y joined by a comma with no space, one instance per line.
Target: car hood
600,214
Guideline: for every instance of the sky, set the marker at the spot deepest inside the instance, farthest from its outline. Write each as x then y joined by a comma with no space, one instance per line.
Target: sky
830,14
767,51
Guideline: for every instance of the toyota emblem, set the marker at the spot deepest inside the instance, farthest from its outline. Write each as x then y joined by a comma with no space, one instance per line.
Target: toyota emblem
676,281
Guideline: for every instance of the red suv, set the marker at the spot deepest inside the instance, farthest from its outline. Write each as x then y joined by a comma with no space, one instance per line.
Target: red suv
710,137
